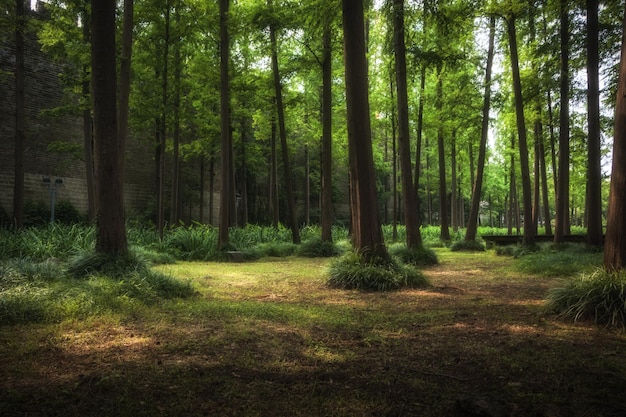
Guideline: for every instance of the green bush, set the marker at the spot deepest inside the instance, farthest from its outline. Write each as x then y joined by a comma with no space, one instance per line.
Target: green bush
66,213
317,248
599,297
352,272
276,249
467,246
421,256
558,260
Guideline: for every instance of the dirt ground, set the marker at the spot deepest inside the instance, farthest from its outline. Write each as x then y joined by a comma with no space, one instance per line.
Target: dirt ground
477,343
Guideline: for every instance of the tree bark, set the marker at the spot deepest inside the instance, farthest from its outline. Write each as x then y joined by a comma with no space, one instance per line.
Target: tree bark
529,235
367,234
225,138
594,170
163,127
413,237
109,158
472,224
291,202
615,244
88,130
20,117
562,195
443,192
327,143
175,200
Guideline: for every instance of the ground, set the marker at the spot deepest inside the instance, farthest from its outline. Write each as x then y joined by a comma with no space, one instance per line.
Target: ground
271,339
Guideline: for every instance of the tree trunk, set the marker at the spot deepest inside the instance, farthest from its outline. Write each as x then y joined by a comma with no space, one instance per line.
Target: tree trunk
327,144
413,237
20,117
307,187
562,195
88,131
615,244
274,178
529,235
443,192
454,215
394,160
163,126
125,60
175,200
472,224
225,138
367,234
291,202
109,157
594,170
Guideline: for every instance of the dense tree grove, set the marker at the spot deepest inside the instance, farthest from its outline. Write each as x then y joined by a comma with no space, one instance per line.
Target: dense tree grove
463,100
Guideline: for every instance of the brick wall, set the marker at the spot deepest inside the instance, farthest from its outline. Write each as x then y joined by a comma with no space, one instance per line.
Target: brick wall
44,91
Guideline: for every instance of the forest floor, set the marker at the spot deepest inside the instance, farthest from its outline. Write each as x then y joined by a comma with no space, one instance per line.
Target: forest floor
269,338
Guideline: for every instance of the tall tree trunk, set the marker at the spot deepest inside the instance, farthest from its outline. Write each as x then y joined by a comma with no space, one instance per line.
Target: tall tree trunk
413,237
88,130
20,117
225,137
454,215
109,157
291,202
274,178
327,144
244,176
562,195
615,244
472,224
443,191
394,160
175,200
163,126
307,187
125,60
367,234
529,235
594,170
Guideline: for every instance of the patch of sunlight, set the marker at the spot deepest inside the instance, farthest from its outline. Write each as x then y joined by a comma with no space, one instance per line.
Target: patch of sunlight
521,329
101,340
324,354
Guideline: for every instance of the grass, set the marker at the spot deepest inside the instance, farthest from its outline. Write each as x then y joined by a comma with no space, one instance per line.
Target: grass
271,338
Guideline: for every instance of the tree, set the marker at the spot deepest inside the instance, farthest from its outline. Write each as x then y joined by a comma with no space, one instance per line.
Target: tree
472,224
20,118
327,141
109,156
615,244
367,234
293,220
226,146
562,195
529,234
413,237
594,171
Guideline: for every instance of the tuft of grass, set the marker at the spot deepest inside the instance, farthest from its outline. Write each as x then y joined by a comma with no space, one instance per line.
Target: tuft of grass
561,260
599,296
276,249
317,248
352,272
194,243
421,256
113,266
467,246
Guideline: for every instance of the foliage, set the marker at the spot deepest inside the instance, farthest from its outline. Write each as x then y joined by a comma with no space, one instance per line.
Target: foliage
351,272
468,246
421,256
598,296
47,292
193,243
275,249
558,260
48,241
316,248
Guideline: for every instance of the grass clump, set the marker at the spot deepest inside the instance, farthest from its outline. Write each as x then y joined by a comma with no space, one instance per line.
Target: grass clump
467,246
420,256
559,260
318,248
599,296
351,271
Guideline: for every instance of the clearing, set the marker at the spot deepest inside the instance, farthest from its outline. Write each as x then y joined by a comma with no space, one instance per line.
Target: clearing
270,339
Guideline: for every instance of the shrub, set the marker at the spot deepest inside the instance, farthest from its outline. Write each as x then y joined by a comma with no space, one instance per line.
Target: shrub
66,213
559,260
599,297
352,272
317,248
421,256
112,266
467,246
276,249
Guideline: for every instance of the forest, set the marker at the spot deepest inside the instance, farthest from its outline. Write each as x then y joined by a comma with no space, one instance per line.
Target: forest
366,160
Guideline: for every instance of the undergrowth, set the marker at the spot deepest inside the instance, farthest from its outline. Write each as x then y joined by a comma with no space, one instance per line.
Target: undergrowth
351,271
599,297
